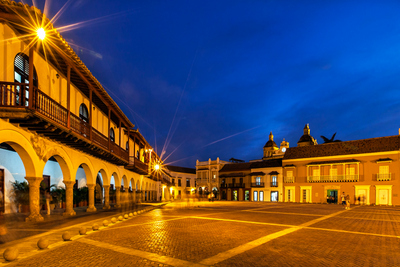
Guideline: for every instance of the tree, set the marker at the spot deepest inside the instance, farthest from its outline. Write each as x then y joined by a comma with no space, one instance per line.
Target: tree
326,140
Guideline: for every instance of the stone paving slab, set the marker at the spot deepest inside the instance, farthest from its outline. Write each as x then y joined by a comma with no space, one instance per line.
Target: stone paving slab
28,246
186,239
236,234
276,218
81,254
321,248
364,225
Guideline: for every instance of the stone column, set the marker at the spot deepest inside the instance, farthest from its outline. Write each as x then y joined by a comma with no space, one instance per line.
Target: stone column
91,207
118,196
34,199
69,198
106,197
125,198
134,197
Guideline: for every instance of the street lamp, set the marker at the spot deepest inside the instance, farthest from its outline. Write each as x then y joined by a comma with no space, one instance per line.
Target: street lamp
41,33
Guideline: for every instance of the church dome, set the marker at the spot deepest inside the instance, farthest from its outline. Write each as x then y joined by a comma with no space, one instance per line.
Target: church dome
271,142
306,139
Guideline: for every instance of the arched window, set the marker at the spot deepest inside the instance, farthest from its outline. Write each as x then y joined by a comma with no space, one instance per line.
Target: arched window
127,145
112,135
21,75
83,113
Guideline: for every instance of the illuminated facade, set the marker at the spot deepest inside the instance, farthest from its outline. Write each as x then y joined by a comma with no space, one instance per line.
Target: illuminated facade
54,111
367,170
207,176
183,181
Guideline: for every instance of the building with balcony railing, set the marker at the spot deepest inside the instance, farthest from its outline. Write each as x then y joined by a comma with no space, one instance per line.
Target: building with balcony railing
266,177
362,169
54,111
183,181
207,176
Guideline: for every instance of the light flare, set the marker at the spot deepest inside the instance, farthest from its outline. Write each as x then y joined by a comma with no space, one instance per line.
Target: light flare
41,33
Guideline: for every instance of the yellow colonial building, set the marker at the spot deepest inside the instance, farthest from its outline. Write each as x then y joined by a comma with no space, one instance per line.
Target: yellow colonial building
54,111
366,170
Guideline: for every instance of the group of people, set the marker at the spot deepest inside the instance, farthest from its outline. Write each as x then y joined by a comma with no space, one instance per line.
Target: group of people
345,201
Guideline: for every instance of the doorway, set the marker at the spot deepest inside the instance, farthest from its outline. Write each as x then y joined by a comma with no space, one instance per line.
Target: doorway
235,195
332,196
247,195
383,197
274,196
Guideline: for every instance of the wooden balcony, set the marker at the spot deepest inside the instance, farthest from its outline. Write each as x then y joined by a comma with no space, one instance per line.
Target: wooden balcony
137,166
40,113
259,184
383,176
333,178
236,185
288,179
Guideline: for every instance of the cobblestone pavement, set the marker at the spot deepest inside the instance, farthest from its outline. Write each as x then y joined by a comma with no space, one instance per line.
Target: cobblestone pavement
233,234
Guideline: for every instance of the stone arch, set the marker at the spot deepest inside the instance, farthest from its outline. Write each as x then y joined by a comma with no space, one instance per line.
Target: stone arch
125,180
132,183
24,148
104,175
137,186
89,173
117,180
63,160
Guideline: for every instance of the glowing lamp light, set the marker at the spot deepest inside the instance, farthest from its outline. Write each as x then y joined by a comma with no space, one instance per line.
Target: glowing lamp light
157,167
41,33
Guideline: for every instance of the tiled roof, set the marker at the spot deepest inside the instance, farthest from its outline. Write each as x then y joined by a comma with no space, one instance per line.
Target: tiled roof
333,162
181,169
267,163
236,167
379,144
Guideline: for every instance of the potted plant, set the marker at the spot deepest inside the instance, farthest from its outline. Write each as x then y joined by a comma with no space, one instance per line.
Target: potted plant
58,194
20,196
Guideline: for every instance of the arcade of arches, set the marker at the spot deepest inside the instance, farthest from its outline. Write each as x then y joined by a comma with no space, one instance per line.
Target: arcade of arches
35,151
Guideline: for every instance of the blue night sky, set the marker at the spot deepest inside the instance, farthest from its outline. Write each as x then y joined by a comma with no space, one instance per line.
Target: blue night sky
207,79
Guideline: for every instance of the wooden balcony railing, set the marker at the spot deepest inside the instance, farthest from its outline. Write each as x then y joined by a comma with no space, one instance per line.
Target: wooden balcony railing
137,164
333,178
14,94
79,126
236,185
99,138
17,95
257,184
383,176
288,179
274,184
49,108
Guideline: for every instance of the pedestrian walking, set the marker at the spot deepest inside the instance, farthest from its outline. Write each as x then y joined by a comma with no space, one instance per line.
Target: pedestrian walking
347,202
343,197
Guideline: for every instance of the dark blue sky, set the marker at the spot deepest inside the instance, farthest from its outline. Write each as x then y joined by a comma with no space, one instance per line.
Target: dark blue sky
248,67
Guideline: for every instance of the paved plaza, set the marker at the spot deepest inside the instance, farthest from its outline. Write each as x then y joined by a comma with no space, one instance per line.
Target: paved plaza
229,234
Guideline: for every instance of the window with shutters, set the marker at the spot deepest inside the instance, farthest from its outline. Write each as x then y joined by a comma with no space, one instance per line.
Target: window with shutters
83,113
21,75
112,135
